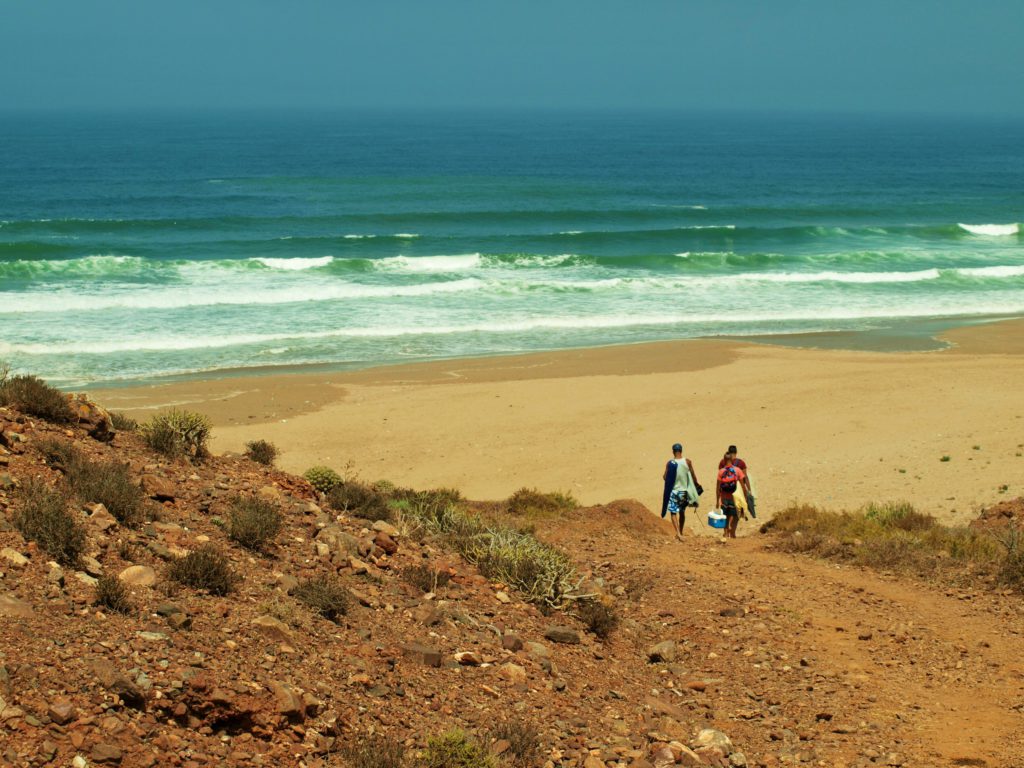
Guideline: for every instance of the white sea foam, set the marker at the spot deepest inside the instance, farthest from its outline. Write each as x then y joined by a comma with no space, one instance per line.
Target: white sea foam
295,264
454,263
841,277
358,237
572,232
405,235
991,230
1003,271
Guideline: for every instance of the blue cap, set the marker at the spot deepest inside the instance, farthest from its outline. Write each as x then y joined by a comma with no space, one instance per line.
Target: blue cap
677,448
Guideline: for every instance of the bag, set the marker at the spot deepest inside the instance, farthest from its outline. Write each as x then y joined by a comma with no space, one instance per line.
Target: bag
728,479
700,489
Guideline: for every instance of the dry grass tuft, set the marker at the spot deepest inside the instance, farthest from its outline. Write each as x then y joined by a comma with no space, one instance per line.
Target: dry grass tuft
42,515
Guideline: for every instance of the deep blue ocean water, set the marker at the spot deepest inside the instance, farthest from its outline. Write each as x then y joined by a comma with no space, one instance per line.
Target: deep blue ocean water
137,246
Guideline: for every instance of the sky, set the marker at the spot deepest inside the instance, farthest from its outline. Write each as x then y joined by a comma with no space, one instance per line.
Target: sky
906,56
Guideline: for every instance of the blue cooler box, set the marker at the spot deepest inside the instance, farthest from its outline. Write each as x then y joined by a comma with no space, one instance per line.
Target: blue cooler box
716,519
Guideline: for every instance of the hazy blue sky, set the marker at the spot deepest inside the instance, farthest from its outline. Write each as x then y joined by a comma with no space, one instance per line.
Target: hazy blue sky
903,55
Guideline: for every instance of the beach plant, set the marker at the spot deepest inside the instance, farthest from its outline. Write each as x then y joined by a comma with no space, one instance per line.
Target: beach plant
262,452
253,522
456,749
108,483
426,577
598,617
325,595
176,433
58,453
113,594
534,503
1011,570
322,478
359,500
122,422
523,739
375,751
33,396
205,568
42,514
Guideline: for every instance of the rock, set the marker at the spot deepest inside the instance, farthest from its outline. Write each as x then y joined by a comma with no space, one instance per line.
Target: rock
385,542
179,621
382,526
358,566
167,609
537,649
7,482
424,654
593,761
696,685
14,557
339,542
288,701
13,608
664,652
270,493
273,628
95,419
92,566
62,712
511,642
732,613
684,755
79,762
468,659
738,759
55,575
661,756
502,597
562,634
287,584
709,737
138,576
159,488
514,673
85,578
106,753
101,518
119,684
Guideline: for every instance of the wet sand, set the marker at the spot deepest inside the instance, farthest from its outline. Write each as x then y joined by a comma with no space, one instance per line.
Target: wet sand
833,427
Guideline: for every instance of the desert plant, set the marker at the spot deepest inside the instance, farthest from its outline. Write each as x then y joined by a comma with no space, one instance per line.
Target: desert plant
59,453
523,739
42,516
253,522
112,594
375,752
530,501
110,484
123,423
261,451
426,578
33,396
456,749
597,616
178,433
204,568
359,500
325,595
1011,570
322,478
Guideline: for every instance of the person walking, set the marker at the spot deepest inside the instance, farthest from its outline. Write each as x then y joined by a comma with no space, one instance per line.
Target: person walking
731,478
732,457
681,488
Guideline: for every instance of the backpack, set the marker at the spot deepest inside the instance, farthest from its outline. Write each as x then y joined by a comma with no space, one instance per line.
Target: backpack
728,481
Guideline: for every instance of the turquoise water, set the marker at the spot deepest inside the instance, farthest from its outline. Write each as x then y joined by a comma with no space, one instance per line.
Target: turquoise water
133,247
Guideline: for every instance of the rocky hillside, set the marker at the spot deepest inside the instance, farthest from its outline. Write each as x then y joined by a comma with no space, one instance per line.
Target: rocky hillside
346,640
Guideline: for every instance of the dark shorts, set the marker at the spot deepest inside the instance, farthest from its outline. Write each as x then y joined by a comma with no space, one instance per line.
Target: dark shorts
729,508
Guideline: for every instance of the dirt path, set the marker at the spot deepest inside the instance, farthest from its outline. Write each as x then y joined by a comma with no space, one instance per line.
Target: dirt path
822,664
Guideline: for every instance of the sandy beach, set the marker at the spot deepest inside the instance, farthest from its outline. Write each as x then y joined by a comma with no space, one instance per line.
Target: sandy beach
832,427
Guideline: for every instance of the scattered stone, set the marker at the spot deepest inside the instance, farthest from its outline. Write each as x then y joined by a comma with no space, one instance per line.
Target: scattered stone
288,701
468,659
92,566
511,642
514,673
664,652
14,608
709,737
502,597
382,526
62,712
273,628
106,753
14,557
423,654
158,488
386,543
101,518
562,634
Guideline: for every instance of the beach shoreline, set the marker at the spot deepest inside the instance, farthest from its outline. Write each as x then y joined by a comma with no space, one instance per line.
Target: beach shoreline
835,427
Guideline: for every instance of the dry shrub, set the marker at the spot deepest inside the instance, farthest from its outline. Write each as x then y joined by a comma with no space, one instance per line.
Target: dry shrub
110,484
178,433
524,748
33,396
205,568
325,595
253,522
112,594
426,578
58,453
375,752
598,617
456,749
262,452
530,501
42,515
359,500
1011,570
122,422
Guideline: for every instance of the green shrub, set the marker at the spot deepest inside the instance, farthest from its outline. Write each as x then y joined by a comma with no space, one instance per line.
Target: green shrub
123,423
205,568
110,484
177,433
899,515
524,749
261,451
530,501
322,478
598,617
112,594
42,516
375,752
359,500
325,595
33,396
426,578
253,522
457,749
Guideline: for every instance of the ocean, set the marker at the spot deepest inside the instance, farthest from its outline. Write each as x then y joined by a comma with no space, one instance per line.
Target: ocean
135,247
